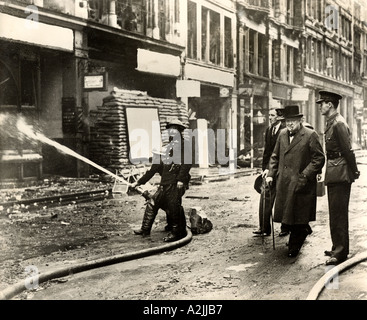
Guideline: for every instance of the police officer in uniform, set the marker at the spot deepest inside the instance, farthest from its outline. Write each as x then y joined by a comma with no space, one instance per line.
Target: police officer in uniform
341,172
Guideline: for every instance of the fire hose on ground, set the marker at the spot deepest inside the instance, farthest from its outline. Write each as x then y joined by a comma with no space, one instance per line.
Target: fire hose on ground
21,286
319,286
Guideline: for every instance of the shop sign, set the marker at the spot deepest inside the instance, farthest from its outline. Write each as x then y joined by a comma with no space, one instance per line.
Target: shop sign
300,94
224,92
158,63
36,33
95,82
187,88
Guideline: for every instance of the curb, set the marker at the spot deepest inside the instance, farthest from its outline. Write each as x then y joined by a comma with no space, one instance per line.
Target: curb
20,286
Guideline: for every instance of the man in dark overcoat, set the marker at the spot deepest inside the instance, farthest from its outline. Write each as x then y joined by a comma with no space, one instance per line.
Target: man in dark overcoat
341,172
297,158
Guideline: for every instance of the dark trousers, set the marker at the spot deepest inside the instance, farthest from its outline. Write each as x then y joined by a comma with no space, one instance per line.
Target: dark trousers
338,200
168,198
297,237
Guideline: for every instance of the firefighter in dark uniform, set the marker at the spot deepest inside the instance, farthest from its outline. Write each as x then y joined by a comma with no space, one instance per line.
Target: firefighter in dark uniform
341,172
175,178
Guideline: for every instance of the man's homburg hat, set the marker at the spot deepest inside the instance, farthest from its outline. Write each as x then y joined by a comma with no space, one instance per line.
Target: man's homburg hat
292,112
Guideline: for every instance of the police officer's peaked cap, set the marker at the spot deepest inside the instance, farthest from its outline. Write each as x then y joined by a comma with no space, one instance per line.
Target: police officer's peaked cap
175,122
328,97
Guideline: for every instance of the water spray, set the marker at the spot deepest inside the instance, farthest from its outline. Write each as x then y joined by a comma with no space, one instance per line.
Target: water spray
28,131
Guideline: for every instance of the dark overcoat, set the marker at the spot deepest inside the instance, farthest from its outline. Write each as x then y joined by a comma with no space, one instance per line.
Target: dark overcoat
303,156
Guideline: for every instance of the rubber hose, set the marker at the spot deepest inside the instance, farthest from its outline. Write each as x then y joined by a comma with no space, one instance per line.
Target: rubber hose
319,286
20,286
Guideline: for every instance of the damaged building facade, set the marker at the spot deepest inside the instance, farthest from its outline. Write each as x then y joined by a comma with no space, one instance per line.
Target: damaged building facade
60,59
227,61
290,50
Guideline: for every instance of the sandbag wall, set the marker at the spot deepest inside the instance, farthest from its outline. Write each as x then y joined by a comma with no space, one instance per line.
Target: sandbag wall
109,145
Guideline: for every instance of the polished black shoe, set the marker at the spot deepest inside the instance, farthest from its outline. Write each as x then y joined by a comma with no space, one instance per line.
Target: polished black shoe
293,253
328,253
333,261
257,232
141,232
283,233
174,237
265,234
171,238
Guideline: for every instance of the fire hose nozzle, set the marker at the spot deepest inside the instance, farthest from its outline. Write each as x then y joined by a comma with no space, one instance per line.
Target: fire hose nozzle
144,193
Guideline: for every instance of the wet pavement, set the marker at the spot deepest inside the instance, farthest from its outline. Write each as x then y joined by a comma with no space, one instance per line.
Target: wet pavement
227,263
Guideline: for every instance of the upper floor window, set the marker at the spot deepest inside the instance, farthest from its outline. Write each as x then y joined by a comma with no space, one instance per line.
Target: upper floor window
228,46
214,44
192,30
255,53
210,40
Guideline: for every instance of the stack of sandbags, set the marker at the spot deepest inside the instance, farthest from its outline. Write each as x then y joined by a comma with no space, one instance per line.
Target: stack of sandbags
109,135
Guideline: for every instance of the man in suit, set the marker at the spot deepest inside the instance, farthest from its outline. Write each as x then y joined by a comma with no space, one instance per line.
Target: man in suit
296,159
341,172
268,194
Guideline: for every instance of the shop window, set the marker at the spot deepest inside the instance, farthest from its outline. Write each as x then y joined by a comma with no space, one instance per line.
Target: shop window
192,31
28,83
18,87
22,92
8,88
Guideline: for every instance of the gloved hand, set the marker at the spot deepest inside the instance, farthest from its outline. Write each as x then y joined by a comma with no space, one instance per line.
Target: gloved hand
356,175
134,185
301,183
269,181
265,173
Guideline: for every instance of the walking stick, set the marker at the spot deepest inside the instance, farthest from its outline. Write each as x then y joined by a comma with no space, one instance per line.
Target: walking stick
272,222
263,194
